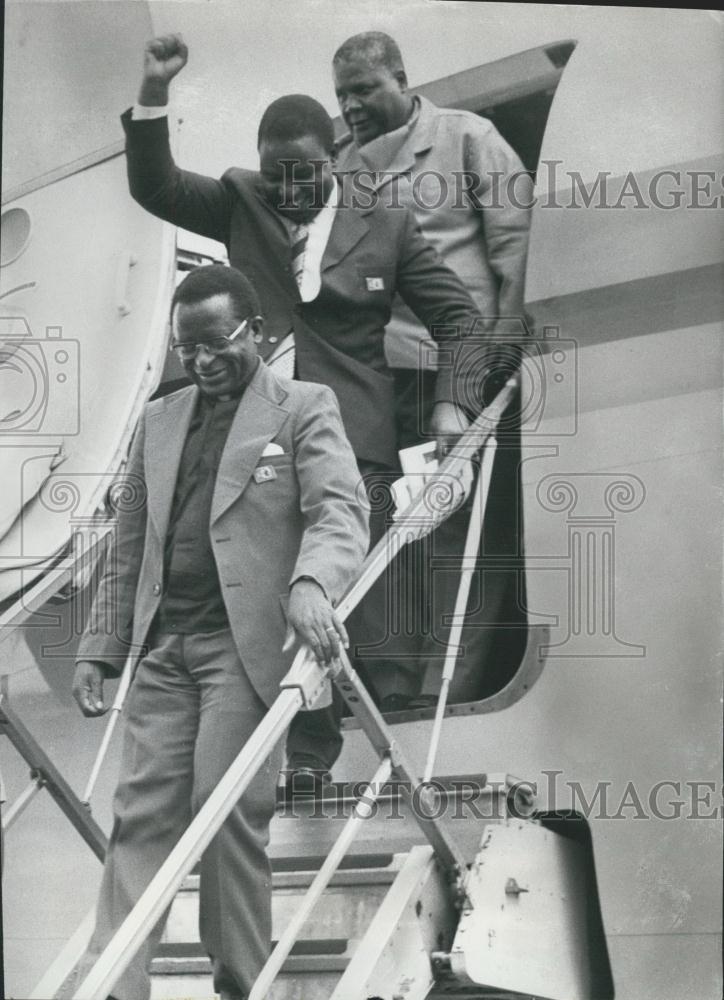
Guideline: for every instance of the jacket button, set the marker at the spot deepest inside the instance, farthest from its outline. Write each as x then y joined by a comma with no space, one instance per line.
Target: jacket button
157,588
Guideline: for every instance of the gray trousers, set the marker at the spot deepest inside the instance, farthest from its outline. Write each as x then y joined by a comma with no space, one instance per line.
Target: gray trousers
190,710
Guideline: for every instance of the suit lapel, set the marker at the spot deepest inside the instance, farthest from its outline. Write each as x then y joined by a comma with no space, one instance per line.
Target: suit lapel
419,141
353,162
348,228
402,162
277,246
166,435
275,220
259,417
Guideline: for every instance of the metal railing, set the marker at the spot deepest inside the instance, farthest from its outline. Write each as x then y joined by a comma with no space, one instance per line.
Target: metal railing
44,774
302,686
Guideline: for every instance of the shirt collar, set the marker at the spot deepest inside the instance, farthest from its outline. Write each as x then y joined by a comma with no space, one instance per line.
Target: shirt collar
329,206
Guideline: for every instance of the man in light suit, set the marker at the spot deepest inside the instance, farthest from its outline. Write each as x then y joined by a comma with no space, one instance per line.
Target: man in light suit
334,294
471,197
241,495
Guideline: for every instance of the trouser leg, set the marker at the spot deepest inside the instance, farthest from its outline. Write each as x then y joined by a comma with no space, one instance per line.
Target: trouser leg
383,629
152,801
315,739
235,884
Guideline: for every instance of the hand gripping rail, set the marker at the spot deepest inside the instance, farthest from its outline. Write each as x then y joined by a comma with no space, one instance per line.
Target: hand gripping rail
302,685
428,509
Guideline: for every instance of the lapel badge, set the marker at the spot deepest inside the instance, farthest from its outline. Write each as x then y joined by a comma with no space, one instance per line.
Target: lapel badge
375,284
264,474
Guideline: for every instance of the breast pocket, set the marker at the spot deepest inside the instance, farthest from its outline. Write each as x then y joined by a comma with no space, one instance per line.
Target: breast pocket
272,469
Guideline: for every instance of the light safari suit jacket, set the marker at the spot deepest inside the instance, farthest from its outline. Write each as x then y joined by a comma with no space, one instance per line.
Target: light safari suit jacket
482,236
302,514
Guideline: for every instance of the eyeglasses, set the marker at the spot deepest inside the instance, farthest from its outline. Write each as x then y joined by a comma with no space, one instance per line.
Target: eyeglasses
215,345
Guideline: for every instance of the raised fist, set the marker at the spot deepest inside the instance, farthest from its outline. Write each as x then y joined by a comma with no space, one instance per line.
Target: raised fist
164,57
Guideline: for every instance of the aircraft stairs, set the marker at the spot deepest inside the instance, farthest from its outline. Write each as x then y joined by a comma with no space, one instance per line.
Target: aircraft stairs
454,887
387,921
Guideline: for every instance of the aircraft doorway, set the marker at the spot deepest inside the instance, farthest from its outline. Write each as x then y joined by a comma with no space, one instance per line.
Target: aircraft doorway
516,95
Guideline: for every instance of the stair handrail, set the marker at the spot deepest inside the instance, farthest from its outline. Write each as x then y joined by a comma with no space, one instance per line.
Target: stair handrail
470,553
30,600
113,717
363,809
424,513
305,682
45,775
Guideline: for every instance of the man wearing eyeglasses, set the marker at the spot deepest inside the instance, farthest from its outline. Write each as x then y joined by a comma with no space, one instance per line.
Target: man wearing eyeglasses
243,497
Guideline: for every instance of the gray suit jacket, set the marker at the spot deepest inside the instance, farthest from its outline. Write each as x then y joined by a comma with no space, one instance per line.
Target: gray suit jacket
471,198
303,515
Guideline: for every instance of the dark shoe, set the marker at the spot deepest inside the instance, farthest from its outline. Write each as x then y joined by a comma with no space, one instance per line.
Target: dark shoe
395,703
306,781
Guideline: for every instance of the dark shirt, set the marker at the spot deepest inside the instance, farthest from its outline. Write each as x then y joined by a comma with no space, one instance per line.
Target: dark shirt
192,600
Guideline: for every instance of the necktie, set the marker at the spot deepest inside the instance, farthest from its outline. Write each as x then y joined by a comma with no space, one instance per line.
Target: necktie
283,360
300,235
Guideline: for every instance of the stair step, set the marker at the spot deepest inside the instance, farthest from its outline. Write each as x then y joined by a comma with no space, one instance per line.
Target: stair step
455,991
313,862
349,903
305,985
347,877
201,966
473,799
299,872
312,946
189,959
301,862
334,929
343,911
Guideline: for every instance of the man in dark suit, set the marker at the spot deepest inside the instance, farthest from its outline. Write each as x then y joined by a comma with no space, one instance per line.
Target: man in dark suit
327,267
241,493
